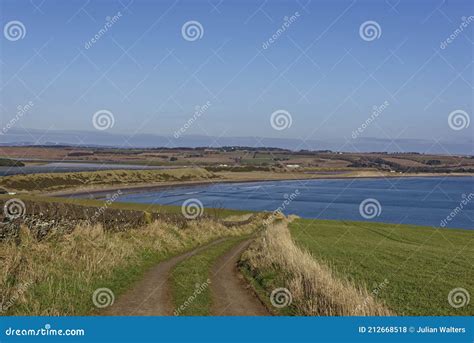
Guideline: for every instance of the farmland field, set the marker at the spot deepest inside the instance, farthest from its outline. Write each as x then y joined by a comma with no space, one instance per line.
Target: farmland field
411,268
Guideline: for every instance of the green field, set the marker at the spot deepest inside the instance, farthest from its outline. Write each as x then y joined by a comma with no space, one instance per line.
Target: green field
411,268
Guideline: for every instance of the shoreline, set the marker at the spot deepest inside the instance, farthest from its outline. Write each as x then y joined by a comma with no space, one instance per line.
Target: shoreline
96,193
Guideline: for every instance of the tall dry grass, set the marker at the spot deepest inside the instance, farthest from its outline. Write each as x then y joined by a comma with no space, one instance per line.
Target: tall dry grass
314,288
58,275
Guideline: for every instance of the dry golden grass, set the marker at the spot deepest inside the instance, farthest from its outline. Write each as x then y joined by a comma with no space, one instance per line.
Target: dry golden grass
58,275
315,290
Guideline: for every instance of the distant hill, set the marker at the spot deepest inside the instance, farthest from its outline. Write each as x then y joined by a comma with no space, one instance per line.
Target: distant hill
361,144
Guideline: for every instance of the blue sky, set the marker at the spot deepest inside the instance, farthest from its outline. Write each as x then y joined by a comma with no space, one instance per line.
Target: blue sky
319,70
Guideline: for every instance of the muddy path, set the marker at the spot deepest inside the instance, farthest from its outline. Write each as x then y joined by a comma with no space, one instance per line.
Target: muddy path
151,295
231,294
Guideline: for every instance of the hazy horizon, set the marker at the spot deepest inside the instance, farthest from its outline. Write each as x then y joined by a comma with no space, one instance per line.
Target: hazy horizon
92,138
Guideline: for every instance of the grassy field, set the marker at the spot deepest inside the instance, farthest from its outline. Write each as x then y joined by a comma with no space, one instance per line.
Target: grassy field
191,283
410,268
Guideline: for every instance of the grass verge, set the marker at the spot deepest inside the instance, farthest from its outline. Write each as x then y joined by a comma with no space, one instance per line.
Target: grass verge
191,280
260,289
411,268
297,284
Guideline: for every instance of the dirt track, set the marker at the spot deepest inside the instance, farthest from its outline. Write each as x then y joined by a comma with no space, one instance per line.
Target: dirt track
151,296
231,294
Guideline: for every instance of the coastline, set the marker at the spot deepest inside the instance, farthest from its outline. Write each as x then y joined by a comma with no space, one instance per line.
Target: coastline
97,192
